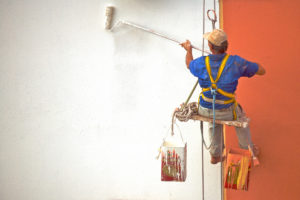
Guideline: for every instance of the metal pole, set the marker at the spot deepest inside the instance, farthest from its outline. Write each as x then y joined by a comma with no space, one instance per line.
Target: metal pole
158,34
222,176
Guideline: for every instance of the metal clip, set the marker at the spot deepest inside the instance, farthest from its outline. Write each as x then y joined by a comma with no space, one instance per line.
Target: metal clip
213,91
214,19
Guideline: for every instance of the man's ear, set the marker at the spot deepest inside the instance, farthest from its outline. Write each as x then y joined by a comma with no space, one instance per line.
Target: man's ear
210,46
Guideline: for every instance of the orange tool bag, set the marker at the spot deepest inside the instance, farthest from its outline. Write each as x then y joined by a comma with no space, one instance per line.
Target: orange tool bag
237,171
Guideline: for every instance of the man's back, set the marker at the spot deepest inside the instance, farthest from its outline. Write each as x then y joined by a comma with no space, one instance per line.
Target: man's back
235,68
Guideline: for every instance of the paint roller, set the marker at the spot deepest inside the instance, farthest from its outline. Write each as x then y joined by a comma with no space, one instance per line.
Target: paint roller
109,12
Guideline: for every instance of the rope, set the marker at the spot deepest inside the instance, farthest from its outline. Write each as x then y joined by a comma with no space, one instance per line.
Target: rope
202,157
203,140
214,93
185,113
187,110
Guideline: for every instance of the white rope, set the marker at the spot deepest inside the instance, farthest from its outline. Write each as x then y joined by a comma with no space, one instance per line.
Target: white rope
201,123
186,112
202,149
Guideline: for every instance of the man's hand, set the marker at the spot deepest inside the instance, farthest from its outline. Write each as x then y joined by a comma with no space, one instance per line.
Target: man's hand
187,45
261,70
189,54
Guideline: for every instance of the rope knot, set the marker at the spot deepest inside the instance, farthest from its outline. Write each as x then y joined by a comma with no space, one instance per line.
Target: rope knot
185,113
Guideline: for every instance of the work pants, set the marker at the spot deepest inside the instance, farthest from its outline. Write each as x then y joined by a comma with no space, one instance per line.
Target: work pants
243,134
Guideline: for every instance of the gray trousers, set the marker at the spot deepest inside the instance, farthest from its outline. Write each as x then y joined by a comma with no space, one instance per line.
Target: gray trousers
243,134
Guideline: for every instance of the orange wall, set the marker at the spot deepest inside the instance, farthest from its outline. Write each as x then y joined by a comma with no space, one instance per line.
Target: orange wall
268,32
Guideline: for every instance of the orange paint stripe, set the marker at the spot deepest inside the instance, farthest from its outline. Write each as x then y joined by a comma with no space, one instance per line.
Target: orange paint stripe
221,13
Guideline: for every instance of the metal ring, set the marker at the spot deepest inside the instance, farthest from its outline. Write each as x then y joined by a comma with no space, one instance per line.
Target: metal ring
215,15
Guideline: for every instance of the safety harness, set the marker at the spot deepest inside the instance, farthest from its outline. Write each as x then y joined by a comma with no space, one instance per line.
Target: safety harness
214,87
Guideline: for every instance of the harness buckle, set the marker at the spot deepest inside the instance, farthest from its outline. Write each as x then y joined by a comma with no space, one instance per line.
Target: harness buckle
213,91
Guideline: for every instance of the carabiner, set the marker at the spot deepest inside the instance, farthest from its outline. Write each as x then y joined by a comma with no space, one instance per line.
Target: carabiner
214,19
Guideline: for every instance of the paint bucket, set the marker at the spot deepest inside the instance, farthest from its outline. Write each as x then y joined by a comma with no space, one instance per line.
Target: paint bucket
237,171
173,159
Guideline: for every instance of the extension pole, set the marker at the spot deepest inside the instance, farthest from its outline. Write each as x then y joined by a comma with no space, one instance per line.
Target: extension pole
190,95
156,33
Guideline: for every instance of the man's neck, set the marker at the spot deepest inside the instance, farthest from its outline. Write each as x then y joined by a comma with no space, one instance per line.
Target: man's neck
216,53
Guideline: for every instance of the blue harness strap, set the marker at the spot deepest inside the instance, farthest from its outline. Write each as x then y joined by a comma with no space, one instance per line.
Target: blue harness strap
214,93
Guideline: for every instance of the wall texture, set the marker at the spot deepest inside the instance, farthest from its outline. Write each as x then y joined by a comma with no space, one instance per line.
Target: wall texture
268,32
83,111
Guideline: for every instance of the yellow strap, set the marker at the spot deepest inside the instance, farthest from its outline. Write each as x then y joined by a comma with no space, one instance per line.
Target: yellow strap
222,67
208,68
234,110
205,89
226,94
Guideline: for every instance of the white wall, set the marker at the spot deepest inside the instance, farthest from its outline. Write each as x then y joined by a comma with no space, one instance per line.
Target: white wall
84,110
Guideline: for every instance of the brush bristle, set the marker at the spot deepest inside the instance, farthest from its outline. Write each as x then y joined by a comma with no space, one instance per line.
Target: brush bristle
109,11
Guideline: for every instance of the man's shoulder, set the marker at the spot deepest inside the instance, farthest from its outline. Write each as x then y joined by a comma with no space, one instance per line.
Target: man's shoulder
200,61
237,58
233,56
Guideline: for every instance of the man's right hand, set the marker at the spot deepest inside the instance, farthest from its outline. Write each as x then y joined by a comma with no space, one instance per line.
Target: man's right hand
187,45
